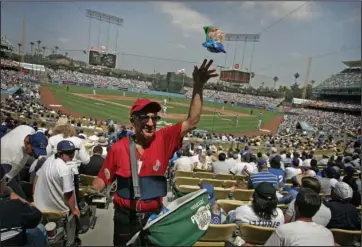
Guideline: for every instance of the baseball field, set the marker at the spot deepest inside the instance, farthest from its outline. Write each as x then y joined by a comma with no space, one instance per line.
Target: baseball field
109,104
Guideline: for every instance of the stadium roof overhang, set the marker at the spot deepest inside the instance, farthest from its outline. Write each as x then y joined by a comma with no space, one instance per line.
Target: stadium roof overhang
353,64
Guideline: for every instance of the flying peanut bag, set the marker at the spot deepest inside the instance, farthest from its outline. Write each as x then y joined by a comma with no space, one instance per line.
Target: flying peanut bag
214,39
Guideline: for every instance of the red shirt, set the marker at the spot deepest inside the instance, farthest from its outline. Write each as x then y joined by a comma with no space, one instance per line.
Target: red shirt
155,161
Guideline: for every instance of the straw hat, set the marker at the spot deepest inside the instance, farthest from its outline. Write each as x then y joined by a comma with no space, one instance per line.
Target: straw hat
102,141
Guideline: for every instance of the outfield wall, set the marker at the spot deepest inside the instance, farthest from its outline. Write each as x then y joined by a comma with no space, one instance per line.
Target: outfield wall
158,93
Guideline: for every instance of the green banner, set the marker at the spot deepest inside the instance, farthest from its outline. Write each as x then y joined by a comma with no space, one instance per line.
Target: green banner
184,224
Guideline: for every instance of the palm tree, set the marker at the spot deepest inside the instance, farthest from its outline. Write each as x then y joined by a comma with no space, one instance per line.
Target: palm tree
262,84
275,79
312,82
296,76
39,42
252,75
66,54
32,48
56,49
44,48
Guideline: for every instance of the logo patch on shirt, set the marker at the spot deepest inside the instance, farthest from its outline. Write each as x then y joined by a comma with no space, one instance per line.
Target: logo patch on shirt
157,166
107,174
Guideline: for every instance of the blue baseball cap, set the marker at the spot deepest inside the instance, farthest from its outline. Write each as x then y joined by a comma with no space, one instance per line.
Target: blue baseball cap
261,162
66,146
38,143
211,191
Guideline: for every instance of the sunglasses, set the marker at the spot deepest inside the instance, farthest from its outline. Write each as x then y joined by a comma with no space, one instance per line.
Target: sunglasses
146,118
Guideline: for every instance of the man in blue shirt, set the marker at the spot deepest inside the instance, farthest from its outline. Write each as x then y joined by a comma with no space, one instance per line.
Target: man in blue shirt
262,176
276,170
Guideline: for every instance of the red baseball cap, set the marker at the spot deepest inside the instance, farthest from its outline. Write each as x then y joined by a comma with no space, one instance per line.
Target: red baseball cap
140,104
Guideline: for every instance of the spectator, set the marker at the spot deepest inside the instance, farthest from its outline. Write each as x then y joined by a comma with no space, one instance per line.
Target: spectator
276,170
16,213
262,212
329,174
221,166
303,232
344,214
294,170
293,191
16,147
184,163
355,185
218,215
322,216
95,162
262,176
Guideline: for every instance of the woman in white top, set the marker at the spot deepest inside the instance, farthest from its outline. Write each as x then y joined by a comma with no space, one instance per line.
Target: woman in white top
262,212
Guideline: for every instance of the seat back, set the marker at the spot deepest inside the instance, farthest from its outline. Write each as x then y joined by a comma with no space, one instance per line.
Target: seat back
228,205
202,170
214,182
241,177
186,181
219,232
188,188
224,176
243,195
221,193
229,183
346,237
184,174
255,234
204,175
86,180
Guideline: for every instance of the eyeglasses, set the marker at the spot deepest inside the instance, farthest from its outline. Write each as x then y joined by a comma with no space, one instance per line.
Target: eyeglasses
146,118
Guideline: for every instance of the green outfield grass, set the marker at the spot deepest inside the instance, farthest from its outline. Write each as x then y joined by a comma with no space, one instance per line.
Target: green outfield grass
105,110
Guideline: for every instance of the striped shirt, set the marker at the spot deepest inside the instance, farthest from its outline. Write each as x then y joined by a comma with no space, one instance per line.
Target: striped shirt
263,176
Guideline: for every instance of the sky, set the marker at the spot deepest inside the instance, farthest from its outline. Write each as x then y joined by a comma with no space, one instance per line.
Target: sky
329,32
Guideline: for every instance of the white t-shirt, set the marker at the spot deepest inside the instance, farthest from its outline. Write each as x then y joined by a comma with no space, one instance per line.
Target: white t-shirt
184,164
81,156
322,217
306,162
237,169
55,178
301,233
245,215
13,151
291,172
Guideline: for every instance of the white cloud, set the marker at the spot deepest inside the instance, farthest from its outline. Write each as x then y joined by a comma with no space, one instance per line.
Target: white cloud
277,10
188,20
63,40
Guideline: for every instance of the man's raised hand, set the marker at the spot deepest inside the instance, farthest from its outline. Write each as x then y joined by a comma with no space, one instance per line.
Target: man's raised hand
203,74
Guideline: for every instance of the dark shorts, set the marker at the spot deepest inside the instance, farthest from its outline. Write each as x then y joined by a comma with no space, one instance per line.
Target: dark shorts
126,225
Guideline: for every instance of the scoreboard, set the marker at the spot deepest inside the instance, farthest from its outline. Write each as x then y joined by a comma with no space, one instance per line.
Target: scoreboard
97,58
235,76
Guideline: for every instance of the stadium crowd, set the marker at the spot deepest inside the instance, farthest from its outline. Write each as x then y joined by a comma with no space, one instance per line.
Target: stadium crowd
346,78
237,97
97,79
321,192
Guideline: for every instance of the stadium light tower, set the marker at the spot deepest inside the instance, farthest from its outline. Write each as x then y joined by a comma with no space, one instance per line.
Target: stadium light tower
243,38
102,17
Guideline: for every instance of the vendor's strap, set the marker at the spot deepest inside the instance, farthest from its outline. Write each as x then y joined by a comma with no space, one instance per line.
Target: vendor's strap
134,168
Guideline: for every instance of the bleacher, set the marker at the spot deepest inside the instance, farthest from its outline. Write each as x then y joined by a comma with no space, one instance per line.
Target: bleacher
221,234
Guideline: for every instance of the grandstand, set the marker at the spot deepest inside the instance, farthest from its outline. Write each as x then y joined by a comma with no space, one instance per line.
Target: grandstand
6,45
344,87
